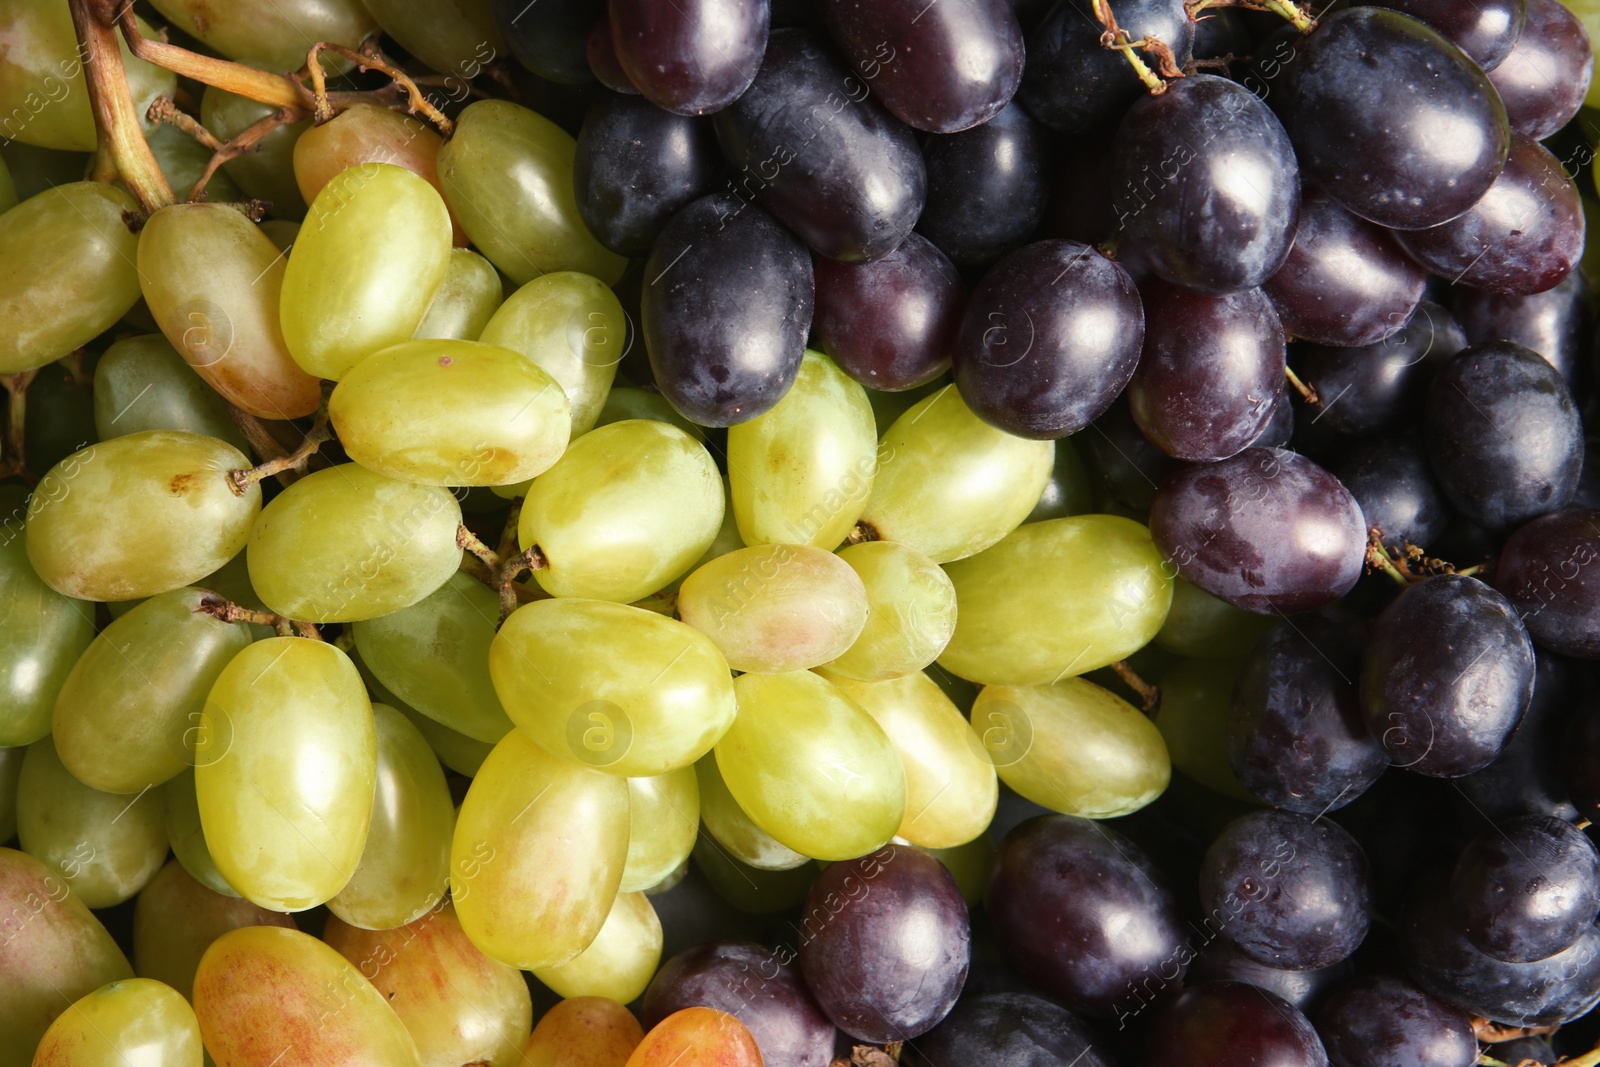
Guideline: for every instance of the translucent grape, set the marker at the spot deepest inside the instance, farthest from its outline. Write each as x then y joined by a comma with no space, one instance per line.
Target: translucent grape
752,890
697,1037
126,1022
911,612
187,837
620,961
141,383
1198,624
663,818
737,836
1196,696
584,1032
42,633
464,302
176,919
267,173
276,36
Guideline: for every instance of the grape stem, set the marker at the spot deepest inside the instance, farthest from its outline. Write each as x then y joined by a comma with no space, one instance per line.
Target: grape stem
368,59
508,533
121,142
1410,565
1308,394
220,608
16,387
73,362
1120,40
164,109
320,433
468,540
862,531
1282,8
279,90
530,560
1149,695
248,140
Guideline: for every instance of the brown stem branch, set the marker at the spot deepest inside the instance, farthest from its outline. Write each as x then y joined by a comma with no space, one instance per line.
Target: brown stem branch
320,432
279,90
219,608
1283,8
248,140
121,140
1149,695
369,60
1308,394
508,533
530,560
16,388
164,109
466,539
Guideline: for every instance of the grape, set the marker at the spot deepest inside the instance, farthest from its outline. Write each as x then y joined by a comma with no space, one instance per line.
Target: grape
697,1037
8,189
1545,77
187,837
604,66
182,161
457,1004
42,634
1056,598
1528,777
695,59
1223,961
1394,485
267,172
583,1032
612,687
737,838
1230,1022
549,38
1008,1030
1193,720
1528,889
1069,491
1544,572
1553,323
1523,1049
751,890
620,960
911,616
850,185
121,1023
663,818
1130,466
176,919
10,771
140,383
623,403
465,301
1200,625
987,187
1485,31
274,38
456,39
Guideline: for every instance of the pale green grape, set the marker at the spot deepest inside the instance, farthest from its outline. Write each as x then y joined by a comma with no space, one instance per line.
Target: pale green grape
345,544
129,1022
663,817
1196,702
42,633
625,510
281,232
751,889
538,853
465,301
267,173
183,161
888,407
34,169
776,608
363,134
105,845
911,612
10,770
731,827
457,751
374,248
274,36
949,484
1055,599
139,515
141,383
187,837
1198,624
60,417
727,540
621,959
624,402
811,768
801,473
285,763
610,686
176,919
457,37
1070,491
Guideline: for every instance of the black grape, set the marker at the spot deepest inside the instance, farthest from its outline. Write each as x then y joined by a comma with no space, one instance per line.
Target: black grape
604,64
1523,1049
1223,961
1223,1024
1218,33
1131,467
1391,480
1486,30
1008,1030
1447,675
1545,78
550,38
726,309
987,187
1527,777
692,57
1550,571
1554,323
1279,430
1384,1021
1527,889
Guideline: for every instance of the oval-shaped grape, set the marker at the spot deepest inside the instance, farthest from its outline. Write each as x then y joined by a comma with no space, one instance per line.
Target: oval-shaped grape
600,1032
464,302
175,920
550,40
1486,32
187,837
982,1029
122,1023
1400,498
619,961
1383,1016
1546,570
1244,1020
42,634
911,612
141,383
737,837
275,38
678,61
458,38
267,172
663,819
1527,889
987,187
1547,74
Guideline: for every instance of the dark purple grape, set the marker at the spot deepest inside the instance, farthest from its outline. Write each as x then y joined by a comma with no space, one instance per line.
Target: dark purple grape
1078,911
937,67
636,166
1486,30
1346,282
1206,181
1008,1030
885,944
829,162
1523,236
1266,530
1393,120
1228,1024
1131,467
1210,372
550,38
1279,430
1527,889
1545,78
1394,485
1218,33
1049,338
759,986
1527,777
1223,961
604,64
1446,677
890,324
987,187
726,309
692,57
1503,434
1383,1021
1554,323
1549,570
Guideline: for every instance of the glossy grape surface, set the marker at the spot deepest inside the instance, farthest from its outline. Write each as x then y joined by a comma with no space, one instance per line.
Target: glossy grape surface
911,612
1399,497
697,1037
618,963
121,1023
1547,572
1527,889
663,820
42,634
696,58
275,38
176,919
584,1032
141,383
733,834
987,187
1486,32
1544,79
1553,323
1249,1023
549,38
1388,1017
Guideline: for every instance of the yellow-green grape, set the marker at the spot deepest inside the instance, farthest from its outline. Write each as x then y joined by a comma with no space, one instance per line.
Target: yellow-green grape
624,403
10,770
8,189
125,718
67,269
374,248
751,889
811,768
276,35
52,951
267,171
107,846
464,302
572,325
1073,747
133,1021
727,540
187,837
949,484
42,634
911,612
456,37
951,789
625,510
507,175
141,383
183,161
285,763
406,862
259,984
621,959
663,818
734,832
213,280
345,544
614,687
451,413
1069,490
969,865
1056,599
801,473
175,920
457,751
887,407
1198,624
538,853
1196,702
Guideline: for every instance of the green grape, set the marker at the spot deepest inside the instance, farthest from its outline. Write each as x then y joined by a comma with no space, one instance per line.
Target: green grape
282,233
267,172
141,383
459,1005
66,270
107,846
626,509
464,302
60,417
451,413
969,865
949,484
285,761
187,837
911,612
732,828
258,984
1055,599
621,959
727,540
538,853
1070,491
213,282
811,768
139,515
374,247
1198,624
801,473
132,1021
456,37
776,608
623,403
183,162
507,176
406,861
663,818
583,1032
10,770
274,36
34,169
750,889
457,751
345,544
613,687
8,189
175,920
52,951
951,790
1073,747
888,407
42,634
1196,702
